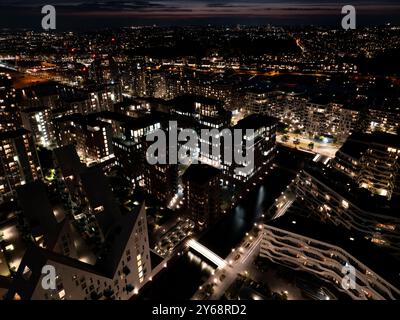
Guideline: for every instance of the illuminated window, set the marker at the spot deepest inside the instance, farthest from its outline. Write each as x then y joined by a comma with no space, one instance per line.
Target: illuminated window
17,297
61,294
26,274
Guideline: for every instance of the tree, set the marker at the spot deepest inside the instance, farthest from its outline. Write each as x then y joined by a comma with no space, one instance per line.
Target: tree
279,296
209,289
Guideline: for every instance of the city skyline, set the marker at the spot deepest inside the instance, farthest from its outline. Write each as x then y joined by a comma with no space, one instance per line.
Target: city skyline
201,152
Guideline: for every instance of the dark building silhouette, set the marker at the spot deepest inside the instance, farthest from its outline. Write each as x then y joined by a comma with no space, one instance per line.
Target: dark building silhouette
202,193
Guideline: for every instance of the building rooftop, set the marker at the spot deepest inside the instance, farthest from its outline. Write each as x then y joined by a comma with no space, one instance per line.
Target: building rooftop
350,190
353,149
255,121
127,121
75,98
5,135
37,210
96,123
35,109
75,117
114,248
187,102
377,138
100,197
35,258
201,173
321,99
260,91
5,282
39,90
68,161
95,87
358,143
116,241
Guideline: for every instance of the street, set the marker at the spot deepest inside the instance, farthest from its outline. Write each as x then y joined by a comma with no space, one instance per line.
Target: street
326,149
238,261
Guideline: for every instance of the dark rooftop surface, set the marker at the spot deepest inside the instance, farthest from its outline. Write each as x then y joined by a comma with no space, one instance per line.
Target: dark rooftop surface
39,90
99,194
96,123
127,121
95,87
260,91
347,188
116,241
255,121
188,101
353,149
34,109
358,143
320,100
13,134
68,160
75,98
36,257
5,282
200,173
155,259
378,138
37,209
75,117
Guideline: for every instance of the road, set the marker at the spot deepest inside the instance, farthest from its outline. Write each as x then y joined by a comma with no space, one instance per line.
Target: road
276,283
325,149
23,80
244,258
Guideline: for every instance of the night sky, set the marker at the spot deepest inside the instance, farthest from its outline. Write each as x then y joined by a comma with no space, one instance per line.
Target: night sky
96,14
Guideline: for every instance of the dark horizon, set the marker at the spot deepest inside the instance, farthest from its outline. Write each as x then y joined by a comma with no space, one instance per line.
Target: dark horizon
86,15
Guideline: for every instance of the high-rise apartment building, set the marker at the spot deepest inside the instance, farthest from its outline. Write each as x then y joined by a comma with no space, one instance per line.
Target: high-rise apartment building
19,163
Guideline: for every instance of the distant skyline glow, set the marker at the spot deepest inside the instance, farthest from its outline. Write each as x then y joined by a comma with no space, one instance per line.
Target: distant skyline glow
17,13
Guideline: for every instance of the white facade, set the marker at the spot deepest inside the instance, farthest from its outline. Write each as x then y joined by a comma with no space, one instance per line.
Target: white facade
325,261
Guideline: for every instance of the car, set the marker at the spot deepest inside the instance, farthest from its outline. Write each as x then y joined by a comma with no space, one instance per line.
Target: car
237,257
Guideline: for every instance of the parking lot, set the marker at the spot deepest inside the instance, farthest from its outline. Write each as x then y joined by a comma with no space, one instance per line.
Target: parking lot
173,237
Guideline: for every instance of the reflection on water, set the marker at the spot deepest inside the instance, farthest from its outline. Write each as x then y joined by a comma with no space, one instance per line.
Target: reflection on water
204,266
226,234
239,220
260,199
234,226
179,281
183,277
